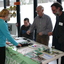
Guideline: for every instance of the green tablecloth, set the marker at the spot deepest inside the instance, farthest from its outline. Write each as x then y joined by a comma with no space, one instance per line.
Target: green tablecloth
13,57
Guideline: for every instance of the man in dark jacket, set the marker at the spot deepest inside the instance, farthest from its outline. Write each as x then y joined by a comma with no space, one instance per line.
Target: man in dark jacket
58,32
24,29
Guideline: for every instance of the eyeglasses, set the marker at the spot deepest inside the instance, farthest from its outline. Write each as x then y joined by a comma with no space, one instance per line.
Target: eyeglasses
37,11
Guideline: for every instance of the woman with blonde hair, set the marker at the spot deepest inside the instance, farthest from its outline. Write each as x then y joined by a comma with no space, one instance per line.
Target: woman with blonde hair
4,34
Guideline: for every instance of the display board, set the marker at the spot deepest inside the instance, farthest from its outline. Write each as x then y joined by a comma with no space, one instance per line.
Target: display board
12,28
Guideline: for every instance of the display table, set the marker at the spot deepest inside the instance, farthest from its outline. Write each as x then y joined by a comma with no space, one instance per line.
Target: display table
32,54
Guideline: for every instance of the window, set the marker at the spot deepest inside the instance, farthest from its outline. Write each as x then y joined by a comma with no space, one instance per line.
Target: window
1,5
26,10
63,4
11,5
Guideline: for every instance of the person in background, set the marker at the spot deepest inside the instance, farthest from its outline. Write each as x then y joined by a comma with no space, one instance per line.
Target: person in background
42,23
4,34
24,29
58,32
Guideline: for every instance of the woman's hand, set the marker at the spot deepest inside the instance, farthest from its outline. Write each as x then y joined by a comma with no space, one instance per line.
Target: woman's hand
19,45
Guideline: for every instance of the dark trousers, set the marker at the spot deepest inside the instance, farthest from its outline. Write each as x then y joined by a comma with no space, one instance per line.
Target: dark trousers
44,39
2,55
59,46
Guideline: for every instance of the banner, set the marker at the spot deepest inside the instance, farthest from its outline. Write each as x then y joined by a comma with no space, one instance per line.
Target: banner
13,57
